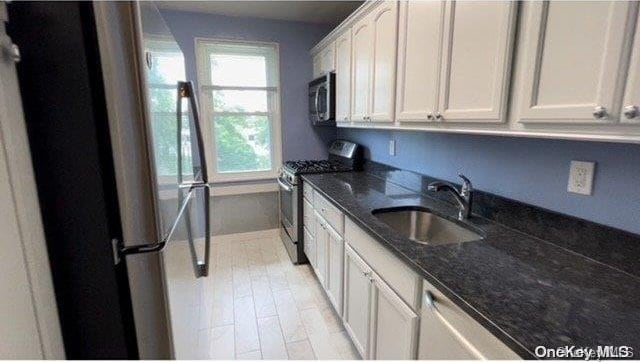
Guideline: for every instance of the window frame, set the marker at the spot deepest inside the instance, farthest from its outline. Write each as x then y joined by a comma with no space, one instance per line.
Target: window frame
207,114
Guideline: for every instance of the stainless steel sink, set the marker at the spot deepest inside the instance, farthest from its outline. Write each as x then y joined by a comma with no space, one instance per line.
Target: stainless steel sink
420,225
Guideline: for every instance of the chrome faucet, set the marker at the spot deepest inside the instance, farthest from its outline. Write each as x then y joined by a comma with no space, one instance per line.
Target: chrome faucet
462,197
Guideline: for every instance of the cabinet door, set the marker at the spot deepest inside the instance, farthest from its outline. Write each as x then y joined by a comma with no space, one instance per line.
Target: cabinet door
395,325
310,246
420,36
384,27
327,58
335,269
631,101
343,77
476,61
322,240
572,53
317,65
361,63
357,300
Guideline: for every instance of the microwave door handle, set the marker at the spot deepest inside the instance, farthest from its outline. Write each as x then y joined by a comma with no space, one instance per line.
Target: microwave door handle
317,111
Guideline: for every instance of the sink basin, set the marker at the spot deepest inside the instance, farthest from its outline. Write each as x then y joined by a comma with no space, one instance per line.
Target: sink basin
420,225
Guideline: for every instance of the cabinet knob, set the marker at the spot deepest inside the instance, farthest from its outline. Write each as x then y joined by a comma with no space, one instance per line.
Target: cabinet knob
346,118
631,112
429,300
438,116
430,116
367,274
600,112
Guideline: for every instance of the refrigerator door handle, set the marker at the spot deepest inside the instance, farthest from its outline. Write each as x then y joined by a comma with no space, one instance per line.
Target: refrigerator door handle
201,182
201,179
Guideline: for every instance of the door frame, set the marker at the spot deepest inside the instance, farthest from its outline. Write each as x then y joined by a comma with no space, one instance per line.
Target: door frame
26,207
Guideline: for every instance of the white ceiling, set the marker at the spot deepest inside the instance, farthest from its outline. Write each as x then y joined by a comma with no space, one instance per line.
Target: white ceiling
319,12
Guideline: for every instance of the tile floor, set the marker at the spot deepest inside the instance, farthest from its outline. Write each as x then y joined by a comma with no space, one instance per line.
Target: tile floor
264,307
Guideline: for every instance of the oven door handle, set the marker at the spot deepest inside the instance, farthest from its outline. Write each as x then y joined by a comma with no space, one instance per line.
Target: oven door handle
287,187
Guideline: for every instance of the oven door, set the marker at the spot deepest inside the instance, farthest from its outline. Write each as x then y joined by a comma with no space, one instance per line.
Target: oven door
289,210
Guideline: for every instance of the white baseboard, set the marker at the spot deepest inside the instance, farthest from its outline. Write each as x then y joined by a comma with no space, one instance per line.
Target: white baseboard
260,234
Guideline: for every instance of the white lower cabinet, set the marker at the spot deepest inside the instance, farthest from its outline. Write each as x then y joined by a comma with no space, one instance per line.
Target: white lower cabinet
387,309
310,247
394,325
357,300
335,269
322,246
380,323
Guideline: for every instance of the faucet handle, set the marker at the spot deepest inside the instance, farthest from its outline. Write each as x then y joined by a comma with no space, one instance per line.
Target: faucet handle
467,187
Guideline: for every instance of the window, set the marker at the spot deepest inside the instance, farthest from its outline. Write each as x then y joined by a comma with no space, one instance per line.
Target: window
167,68
240,99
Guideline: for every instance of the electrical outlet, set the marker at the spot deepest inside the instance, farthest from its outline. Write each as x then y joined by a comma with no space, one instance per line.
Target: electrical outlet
581,177
392,147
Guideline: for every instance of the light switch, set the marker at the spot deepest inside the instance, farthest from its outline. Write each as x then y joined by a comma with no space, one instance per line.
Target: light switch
581,177
392,147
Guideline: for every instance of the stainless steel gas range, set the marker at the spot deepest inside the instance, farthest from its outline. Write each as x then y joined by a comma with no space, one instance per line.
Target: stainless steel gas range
343,156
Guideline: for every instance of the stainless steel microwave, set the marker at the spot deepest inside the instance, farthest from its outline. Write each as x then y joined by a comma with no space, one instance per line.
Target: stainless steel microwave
322,100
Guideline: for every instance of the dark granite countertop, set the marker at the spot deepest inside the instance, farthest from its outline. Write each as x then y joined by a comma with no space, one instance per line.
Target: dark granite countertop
526,291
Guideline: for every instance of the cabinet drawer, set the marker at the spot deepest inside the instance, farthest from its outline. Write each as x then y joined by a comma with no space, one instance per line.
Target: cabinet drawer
329,212
404,281
446,331
307,192
307,216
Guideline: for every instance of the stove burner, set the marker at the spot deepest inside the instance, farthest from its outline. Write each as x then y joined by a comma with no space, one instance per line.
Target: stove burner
315,166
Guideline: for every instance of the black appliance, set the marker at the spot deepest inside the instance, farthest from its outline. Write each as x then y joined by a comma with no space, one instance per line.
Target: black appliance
322,100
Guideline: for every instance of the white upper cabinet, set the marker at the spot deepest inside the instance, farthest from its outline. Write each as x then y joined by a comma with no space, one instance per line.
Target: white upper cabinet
631,101
476,60
454,60
384,27
362,52
374,64
324,61
420,36
343,77
574,57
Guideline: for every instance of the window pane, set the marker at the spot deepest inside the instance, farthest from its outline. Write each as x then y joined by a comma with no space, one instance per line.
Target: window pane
243,143
166,147
163,100
238,70
240,101
166,68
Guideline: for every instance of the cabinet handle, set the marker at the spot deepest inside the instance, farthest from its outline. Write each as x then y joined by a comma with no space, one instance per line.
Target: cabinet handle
600,112
429,300
631,112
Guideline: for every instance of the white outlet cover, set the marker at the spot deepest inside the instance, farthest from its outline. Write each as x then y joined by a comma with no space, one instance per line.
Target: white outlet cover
392,147
581,177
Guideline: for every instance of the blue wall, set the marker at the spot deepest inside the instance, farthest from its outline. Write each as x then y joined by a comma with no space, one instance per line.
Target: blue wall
299,139
533,171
